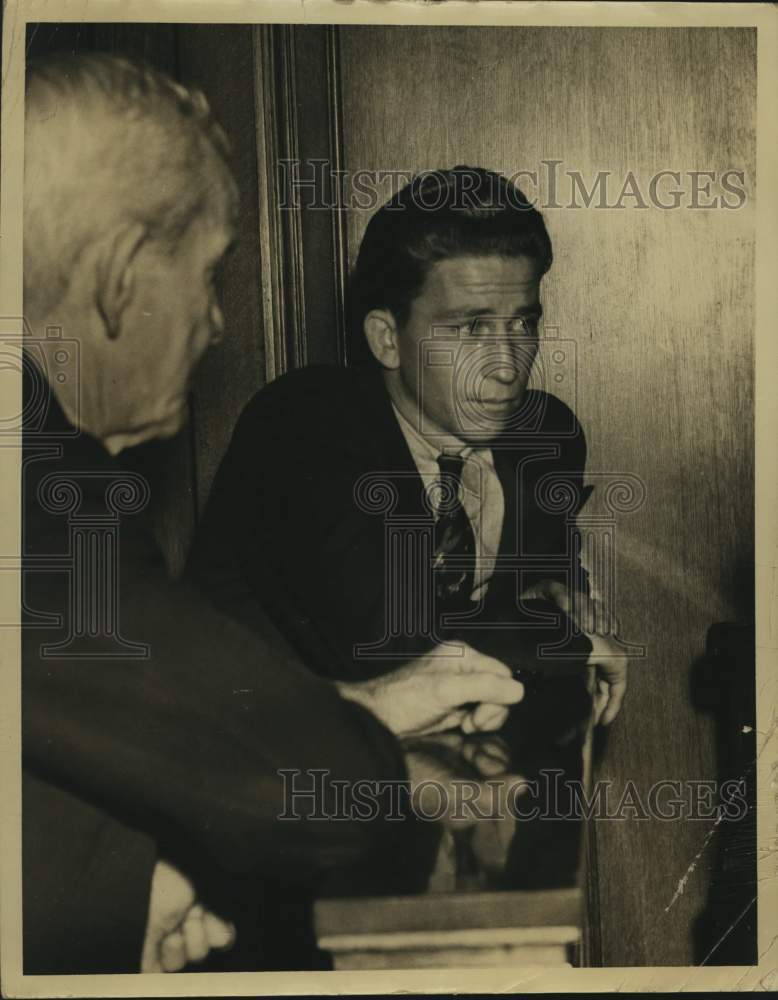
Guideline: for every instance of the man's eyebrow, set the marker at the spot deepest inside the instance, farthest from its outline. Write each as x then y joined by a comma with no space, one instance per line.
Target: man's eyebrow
534,311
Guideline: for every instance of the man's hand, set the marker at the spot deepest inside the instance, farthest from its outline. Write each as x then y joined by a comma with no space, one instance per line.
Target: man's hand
611,678
595,621
466,782
441,765
439,691
179,930
590,615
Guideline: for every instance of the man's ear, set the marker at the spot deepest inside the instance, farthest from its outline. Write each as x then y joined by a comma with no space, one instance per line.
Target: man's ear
381,332
115,274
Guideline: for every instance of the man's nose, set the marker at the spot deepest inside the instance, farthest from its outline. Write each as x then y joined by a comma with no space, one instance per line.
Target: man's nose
504,361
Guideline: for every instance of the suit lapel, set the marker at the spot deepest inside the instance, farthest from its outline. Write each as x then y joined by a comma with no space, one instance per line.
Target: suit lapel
385,450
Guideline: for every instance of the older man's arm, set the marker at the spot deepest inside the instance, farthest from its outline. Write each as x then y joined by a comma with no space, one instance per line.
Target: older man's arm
210,733
198,736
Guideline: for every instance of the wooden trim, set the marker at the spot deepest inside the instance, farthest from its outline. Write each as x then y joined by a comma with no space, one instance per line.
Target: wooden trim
515,957
438,930
473,937
592,956
291,219
304,313
337,159
269,264
591,951
448,911
281,255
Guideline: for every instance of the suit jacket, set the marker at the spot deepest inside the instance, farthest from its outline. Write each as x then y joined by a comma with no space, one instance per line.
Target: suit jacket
317,477
182,744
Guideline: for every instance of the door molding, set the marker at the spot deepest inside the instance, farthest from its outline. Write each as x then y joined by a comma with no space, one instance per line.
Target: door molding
299,122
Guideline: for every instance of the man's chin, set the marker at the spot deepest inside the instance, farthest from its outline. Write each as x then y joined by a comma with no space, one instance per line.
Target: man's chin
162,429
483,424
174,425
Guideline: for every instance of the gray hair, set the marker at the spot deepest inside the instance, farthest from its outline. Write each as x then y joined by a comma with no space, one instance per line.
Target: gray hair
109,140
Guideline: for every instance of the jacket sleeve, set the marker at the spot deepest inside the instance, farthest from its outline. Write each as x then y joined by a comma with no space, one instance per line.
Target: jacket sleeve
283,532
86,880
210,734
555,494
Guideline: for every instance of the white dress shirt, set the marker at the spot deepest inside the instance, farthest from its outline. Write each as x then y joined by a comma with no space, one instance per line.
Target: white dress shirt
480,492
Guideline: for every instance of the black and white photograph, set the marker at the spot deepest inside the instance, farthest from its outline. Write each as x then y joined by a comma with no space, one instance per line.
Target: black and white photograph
390,546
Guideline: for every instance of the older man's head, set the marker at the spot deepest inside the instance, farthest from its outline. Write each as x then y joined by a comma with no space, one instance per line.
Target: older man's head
129,206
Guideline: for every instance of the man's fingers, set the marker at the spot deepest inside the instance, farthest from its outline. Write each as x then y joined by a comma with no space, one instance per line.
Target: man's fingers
218,933
450,741
489,746
549,590
150,961
170,899
489,759
589,613
195,941
172,952
459,689
553,590
485,717
453,720
480,663
612,670
617,691
600,700
467,724
172,894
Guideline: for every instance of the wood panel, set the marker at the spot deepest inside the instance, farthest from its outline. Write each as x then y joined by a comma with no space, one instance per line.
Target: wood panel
657,309
302,242
451,930
220,60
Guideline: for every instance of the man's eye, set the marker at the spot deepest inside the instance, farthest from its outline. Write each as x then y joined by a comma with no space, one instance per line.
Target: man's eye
477,328
524,326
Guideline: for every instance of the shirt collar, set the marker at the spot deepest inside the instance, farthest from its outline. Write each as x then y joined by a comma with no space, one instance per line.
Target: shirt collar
431,449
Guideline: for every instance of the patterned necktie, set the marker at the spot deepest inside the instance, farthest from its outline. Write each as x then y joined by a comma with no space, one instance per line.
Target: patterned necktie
453,538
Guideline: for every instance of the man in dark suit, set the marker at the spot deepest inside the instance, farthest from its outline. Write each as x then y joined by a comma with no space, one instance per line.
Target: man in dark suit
156,730
429,495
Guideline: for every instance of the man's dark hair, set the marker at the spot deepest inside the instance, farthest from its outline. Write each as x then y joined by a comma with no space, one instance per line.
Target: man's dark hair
466,211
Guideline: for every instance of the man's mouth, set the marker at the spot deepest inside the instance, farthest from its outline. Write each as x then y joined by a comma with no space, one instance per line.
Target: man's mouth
497,404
